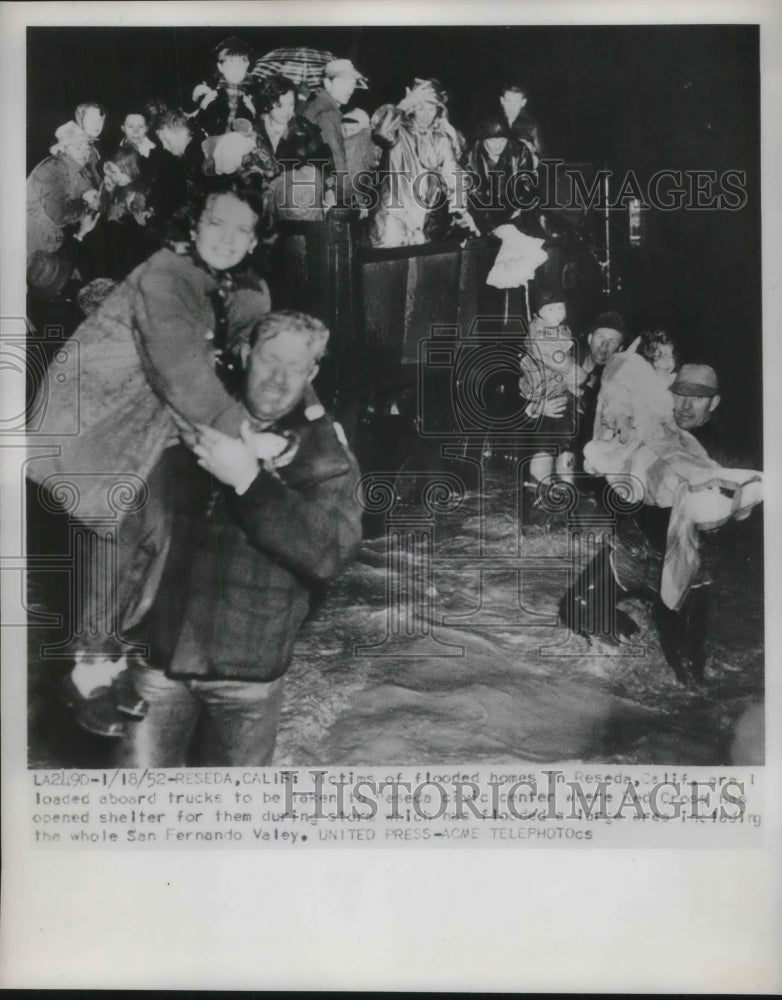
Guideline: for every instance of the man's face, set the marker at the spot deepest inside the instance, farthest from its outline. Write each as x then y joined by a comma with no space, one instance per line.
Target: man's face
226,231
233,68
134,128
603,343
691,412
174,140
92,122
277,373
512,103
340,87
282,112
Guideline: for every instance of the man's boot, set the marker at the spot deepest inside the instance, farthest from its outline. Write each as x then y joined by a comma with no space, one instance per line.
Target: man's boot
589,607
671,630
696,611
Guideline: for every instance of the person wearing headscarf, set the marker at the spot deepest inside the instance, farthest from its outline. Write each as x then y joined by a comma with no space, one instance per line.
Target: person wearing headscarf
91,117
60,194
419,192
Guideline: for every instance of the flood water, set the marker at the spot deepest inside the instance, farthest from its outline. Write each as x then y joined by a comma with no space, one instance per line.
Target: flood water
440,645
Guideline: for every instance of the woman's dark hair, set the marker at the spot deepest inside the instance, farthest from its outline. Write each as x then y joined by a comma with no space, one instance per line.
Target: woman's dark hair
271,90
127,160
493,127
651,340
186,219
232,47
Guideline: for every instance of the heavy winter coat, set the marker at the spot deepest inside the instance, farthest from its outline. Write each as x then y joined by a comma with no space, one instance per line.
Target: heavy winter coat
149,347
237,588
54,201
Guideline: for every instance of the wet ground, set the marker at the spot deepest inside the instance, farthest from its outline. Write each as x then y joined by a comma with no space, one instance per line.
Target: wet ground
440,645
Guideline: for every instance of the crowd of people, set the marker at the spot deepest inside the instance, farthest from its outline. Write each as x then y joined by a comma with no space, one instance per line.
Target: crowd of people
191,381
96,209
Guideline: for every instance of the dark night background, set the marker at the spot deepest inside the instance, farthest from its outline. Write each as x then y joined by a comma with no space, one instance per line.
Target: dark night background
640,98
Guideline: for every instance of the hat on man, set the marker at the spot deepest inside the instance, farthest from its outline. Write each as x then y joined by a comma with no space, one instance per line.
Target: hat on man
344,67
47,273
696,380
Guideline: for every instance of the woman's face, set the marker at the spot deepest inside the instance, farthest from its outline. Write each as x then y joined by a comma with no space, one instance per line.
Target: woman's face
134,128
114,175
425,114
282,112
495,146
664,361
226,231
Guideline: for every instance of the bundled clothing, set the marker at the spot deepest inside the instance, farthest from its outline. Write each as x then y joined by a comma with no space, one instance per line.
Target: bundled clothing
251,563
149,159
300,143
240,577
322,110
422,181
173,185
55,190
232,101
637,442
524,128
151,347
496,185
295,170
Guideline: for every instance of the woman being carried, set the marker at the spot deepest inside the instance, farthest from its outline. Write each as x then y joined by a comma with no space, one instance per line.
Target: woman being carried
161,349
638,445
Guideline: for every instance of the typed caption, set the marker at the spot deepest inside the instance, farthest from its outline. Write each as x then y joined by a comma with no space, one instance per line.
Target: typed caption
550,806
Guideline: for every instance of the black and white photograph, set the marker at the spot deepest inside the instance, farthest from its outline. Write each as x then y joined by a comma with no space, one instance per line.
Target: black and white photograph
389,475
395,395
